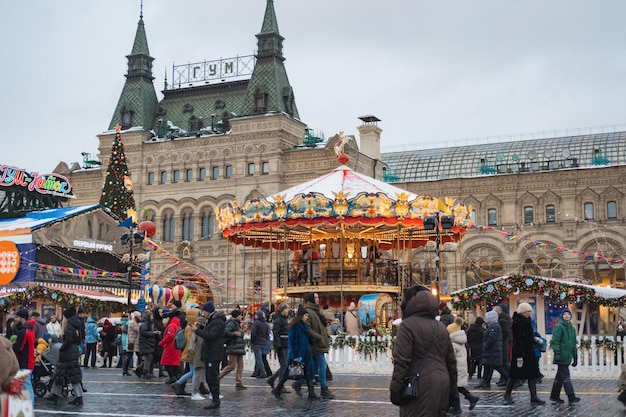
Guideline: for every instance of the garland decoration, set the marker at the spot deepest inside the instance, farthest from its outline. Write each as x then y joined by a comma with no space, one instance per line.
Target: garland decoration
560,291
62,298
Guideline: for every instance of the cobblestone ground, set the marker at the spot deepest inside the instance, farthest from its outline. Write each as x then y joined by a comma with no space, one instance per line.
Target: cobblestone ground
113,395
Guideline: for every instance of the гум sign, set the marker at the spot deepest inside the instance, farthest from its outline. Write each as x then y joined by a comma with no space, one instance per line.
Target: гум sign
53,184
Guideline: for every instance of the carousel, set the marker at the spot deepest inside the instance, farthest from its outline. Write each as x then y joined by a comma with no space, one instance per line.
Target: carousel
342,235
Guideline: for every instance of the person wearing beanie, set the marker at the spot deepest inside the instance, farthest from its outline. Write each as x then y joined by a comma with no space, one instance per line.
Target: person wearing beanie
320,344
565,353
352,322
109,347
24,346
475,343
298,349
212,348
68,367
235,349
459,340
523,360
524,308
280,329
208,307
492,351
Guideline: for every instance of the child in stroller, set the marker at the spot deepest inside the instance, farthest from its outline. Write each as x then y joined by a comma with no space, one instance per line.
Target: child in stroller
44,377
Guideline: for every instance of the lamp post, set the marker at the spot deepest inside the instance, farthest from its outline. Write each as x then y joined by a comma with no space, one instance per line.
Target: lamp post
133,238
438,222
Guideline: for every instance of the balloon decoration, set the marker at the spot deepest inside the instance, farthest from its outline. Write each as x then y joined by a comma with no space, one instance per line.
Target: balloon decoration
148,227
167,296
180,293
155,293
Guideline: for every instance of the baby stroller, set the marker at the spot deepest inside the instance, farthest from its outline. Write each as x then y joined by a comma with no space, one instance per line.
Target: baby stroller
44,375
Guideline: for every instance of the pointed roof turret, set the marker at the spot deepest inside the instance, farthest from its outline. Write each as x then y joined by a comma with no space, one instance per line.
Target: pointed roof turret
138,102
269,89
270,24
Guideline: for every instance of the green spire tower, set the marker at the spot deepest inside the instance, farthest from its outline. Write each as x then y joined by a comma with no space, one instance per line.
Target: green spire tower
138,102
269,89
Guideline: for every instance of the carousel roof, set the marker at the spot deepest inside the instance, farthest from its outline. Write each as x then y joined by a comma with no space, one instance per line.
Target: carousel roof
341,201
345,180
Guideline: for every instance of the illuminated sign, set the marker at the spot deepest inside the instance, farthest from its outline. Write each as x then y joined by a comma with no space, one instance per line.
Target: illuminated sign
53,184
9,261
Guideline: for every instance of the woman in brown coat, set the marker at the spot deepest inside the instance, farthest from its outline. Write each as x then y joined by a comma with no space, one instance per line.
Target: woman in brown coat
423,344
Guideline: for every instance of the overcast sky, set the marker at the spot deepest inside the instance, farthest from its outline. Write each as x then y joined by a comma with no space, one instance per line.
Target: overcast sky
434,72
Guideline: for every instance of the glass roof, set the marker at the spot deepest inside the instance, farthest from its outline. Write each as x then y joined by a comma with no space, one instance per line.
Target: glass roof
537,155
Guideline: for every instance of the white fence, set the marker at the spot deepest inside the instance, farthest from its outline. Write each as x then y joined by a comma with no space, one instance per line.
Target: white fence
598,357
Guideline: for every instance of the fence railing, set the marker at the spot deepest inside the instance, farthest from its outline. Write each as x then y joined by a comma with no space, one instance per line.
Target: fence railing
598,356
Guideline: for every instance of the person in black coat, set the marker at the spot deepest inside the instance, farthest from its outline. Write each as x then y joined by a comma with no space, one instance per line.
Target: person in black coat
475,342
524,364
212,348
492,351
147,344
235,349
281,333
507,339
157,318
68,368
259,336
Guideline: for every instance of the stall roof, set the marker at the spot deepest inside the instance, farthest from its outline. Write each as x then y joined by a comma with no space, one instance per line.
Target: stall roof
80,292
36,219
562,290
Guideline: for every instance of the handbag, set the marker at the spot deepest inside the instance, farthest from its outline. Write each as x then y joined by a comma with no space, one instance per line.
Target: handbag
296,369
130,347
409,389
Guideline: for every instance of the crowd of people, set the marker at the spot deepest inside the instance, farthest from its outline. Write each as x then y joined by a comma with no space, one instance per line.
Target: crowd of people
200,344
446,352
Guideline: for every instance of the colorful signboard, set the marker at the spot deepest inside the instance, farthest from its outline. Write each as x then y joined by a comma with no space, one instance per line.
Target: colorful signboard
53,184
9,261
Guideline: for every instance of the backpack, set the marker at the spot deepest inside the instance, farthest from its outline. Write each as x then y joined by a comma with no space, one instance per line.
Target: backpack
621,382
179,339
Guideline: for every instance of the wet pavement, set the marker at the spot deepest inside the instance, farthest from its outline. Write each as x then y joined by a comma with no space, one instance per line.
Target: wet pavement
113,395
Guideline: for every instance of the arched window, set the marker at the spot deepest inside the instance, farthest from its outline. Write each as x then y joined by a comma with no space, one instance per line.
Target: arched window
497,268
530,268
169,226
529,215
611,210
485,271
492,217
188,226
589,211
208,225
473,216
550,214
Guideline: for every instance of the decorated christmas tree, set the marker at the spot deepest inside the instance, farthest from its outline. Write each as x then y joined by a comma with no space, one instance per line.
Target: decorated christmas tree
117,190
